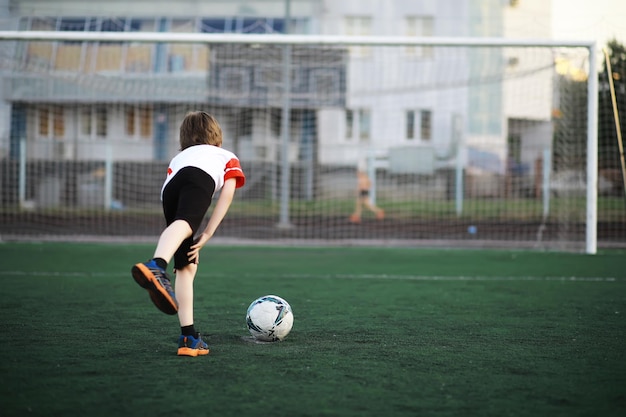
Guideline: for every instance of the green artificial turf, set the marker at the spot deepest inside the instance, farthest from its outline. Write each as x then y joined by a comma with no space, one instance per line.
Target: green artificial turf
377,331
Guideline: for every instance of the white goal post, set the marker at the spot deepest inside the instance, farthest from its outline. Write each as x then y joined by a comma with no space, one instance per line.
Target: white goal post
14,59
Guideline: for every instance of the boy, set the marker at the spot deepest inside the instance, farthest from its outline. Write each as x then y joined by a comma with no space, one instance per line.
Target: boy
193,176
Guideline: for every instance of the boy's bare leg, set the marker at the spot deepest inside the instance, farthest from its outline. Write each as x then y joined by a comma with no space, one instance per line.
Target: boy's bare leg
184,293
188,344
152,275
171,238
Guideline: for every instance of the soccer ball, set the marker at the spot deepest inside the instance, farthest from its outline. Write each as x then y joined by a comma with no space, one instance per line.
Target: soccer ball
269,318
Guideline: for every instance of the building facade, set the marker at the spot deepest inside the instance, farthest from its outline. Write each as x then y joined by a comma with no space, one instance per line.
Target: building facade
80,100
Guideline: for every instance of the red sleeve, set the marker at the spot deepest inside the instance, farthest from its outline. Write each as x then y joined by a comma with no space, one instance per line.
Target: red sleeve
233,170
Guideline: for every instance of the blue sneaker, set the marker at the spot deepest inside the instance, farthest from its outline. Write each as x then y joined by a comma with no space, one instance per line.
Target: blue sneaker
154,279
190,346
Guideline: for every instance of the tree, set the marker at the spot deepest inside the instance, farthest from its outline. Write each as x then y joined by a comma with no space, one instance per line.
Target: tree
608,148
570,124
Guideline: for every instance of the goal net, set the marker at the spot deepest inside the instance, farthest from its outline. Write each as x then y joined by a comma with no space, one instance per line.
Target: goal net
462,142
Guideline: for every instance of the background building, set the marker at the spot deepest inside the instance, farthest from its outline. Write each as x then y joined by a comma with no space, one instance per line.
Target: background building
132,95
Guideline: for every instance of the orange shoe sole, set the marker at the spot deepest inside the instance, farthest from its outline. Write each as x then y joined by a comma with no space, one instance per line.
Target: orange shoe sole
186,351
159,296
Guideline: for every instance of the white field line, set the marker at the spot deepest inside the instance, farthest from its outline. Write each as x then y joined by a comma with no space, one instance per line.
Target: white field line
329,276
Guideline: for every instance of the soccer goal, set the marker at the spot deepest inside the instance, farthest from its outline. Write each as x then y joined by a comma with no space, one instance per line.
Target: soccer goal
466,141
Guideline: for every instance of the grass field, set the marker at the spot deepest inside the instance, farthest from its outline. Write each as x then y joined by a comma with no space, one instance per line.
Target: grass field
377,332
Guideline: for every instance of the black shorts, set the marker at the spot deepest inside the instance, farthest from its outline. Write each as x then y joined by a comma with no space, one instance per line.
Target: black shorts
364,193
187,197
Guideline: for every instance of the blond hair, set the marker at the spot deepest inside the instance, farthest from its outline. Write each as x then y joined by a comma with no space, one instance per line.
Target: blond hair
199,128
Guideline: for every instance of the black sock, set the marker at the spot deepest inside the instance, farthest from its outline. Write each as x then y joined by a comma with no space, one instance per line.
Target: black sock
189,331
161,263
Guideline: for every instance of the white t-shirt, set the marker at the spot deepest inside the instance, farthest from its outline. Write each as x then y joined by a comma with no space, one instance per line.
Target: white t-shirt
219,163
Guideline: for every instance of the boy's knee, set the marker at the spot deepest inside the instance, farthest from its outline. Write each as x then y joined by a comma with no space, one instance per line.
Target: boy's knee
183,224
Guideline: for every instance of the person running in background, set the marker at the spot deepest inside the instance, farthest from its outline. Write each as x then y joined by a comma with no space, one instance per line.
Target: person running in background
363,198
193,176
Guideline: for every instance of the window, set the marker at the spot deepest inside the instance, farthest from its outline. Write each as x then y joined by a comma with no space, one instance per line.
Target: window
141,25
113,25
244,121
108,55
101,121
58,122
276,119
420,26
425,124
278,26
359,26
235,81
75,55
139,56
181,55
183,25
91,24
253,25
43,23
213,25
39,54
85,121
410,124
51,122
325,82
130,120
297,25
44,125
73,24
93,122
349,124
145,122
358,122
364,125
138,121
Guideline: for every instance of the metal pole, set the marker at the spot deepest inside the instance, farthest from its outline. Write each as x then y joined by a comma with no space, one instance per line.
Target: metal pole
22,172
547,168
591,243
458,181
108,177
285,169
